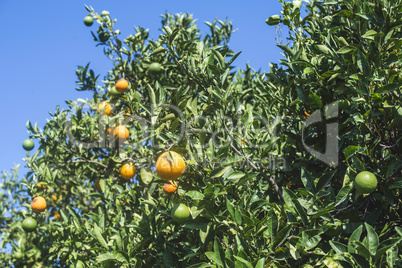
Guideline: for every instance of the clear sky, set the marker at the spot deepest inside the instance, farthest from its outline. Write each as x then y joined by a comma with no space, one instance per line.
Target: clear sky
42,42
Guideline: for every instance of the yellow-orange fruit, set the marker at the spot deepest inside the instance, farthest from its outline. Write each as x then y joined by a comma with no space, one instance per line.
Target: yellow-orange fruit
121,132
38,204
121,85
170,165
105,107
127,171
169,189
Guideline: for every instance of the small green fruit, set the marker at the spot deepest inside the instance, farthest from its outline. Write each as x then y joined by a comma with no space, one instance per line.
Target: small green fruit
88,20
365,182
28,144
104,36
29,224
180,213
18,255
155,68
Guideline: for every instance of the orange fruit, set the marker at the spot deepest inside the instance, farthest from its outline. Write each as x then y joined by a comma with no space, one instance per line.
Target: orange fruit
38,204
105,107
56,216
54,197
169,189
121,85
127,171
109,130
170,165
121,132
97,186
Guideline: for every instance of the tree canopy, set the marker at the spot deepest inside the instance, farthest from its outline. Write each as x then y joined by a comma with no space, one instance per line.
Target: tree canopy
269,159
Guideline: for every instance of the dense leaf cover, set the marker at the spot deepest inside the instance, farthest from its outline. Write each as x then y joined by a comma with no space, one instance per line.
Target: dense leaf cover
261,184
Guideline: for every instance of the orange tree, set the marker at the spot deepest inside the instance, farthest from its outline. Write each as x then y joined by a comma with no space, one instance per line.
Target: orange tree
270,158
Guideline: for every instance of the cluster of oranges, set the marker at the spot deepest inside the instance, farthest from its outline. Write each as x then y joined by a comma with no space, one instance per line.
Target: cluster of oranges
169,166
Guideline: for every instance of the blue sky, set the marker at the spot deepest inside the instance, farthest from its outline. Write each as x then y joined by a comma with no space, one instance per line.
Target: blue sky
43,42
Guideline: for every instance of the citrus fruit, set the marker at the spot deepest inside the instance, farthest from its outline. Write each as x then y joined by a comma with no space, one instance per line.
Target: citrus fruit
170,165
38,204
104,36
54,197
180,213
28,144
127,171
365,182
113,91
121,132
169,189
88,20
109,130
105,107
334,229
97,186
155,68
29,224
121,85
18,255
56,216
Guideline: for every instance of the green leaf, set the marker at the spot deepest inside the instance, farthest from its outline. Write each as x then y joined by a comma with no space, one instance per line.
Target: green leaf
146,176
272,223
362,63
219,254
260,263
99,237
230,209
354,237
338,247
372,239
211,255
281,236
235,176
314,101
300,210
307,180
346,50
343,194
243,261
195,195
219,172
76,217
388,88
361,249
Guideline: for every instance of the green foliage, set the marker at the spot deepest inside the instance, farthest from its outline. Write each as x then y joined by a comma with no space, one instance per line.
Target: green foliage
256,196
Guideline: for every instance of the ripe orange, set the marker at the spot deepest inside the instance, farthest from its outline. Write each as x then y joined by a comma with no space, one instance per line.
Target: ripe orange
127,171
109,130
170,165
97,186
105,107
38,204
56,216
169,189
121,85
54,197
121,132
